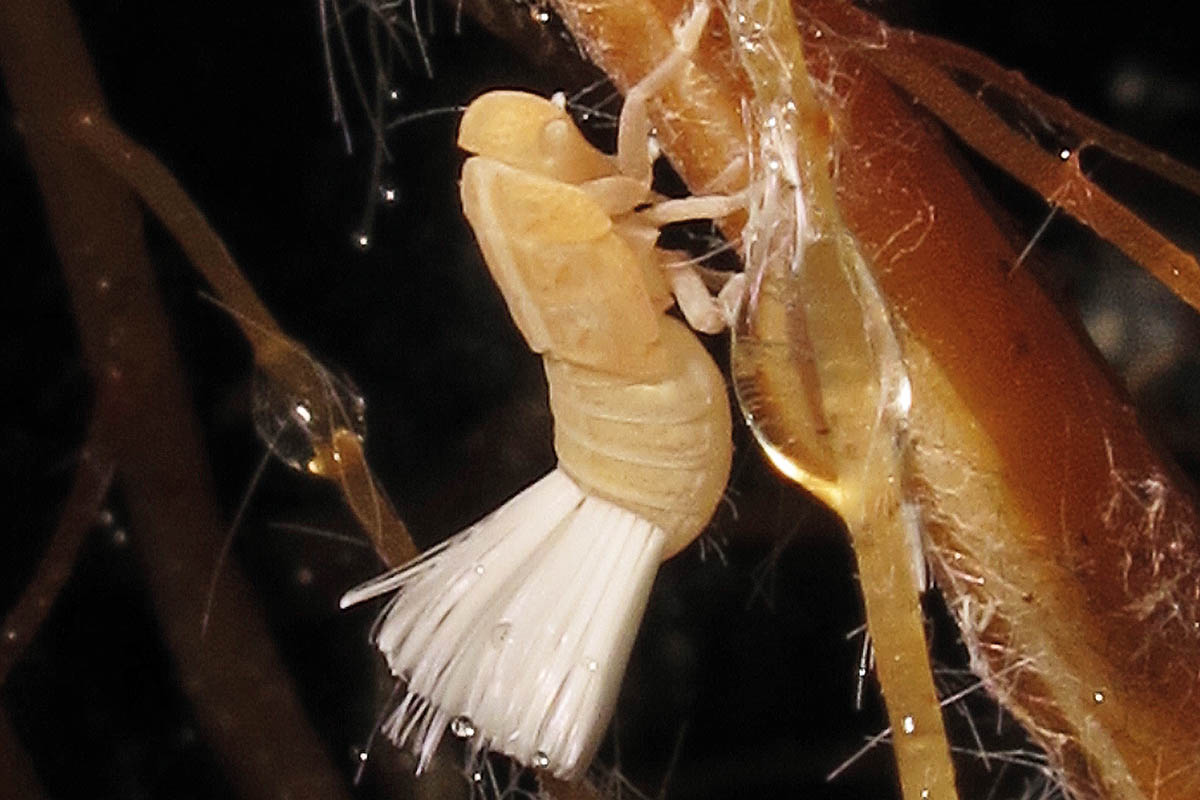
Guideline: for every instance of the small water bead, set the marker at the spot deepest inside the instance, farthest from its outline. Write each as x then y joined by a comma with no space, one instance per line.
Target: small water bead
749,45
908,724
462,726
323,459
592,665
479,569
298,415
388,194
1098,697
361,241
540,760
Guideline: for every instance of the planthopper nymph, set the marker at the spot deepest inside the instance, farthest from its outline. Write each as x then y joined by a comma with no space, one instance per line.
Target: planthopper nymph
515,633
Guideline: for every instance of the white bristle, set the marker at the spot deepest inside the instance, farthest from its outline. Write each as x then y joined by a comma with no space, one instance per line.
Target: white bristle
515,632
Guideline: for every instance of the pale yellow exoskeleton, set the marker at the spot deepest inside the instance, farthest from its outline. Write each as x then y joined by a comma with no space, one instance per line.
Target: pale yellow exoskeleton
515,633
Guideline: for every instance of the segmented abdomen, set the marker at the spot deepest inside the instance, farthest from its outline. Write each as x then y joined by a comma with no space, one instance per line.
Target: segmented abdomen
661,448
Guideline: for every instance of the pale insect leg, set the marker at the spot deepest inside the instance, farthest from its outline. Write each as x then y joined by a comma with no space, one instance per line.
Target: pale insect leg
685,208
634,157
621,193
702,311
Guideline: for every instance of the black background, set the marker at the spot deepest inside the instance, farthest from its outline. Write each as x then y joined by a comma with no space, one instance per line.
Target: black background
746,664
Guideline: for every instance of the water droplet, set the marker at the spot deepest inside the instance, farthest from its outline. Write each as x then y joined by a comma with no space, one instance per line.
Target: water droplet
361,240
388,193
479,569
477,777
501,632
924,794
1098,697
393,95
462,726
119,537
592,665
908,724
541,760
1064,154
362,756
297,416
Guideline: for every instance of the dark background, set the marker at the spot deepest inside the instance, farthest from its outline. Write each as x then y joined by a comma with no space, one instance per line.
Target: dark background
743,680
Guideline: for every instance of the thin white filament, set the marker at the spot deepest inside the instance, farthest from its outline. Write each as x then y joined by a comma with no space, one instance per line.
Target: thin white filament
517,630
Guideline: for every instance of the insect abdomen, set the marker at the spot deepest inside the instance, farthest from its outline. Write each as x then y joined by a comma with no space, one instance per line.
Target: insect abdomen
661,448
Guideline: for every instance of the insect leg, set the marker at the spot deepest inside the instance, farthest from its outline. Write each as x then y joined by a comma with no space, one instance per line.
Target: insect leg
634,156
703,311
686,208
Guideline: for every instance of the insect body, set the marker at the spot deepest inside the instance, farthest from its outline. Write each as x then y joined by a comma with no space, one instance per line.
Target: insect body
516,632
638,404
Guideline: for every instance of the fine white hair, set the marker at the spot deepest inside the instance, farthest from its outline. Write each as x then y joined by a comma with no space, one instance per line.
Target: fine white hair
514,634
